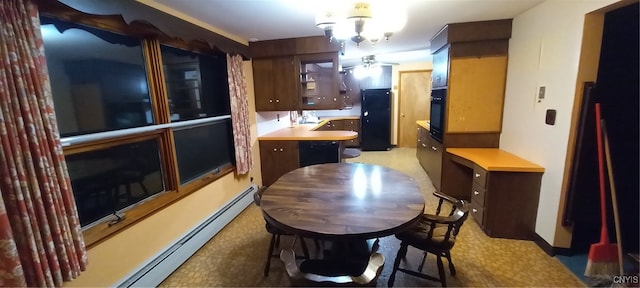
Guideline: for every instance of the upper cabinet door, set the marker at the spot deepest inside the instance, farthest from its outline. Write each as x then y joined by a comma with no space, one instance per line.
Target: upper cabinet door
275,84
319,81
476,94
440,73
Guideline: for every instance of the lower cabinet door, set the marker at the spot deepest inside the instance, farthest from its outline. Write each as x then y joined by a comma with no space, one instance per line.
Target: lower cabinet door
277,158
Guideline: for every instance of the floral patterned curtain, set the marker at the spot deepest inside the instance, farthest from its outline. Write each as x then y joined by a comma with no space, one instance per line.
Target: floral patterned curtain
41,242
239,114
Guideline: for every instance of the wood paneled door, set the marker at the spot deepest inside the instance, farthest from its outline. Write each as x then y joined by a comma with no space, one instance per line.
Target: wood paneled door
413,104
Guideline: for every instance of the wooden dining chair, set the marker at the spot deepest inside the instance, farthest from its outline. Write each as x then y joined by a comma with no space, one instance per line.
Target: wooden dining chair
433,234
275,236
325,273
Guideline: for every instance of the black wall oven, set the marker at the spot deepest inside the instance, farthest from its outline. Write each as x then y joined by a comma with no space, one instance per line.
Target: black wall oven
438,107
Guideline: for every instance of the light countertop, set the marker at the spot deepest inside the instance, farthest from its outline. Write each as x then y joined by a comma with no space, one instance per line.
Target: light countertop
494,159
307,132
424,124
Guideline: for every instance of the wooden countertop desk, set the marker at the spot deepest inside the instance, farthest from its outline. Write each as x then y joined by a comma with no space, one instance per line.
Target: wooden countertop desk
504,189
493,159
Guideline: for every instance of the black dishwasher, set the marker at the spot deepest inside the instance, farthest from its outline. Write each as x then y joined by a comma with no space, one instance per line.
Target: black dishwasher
318,152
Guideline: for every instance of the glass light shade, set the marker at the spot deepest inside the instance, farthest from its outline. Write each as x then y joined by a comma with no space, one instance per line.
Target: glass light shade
360,10
375,70
360,72
326,19
393,15
373,29
343,30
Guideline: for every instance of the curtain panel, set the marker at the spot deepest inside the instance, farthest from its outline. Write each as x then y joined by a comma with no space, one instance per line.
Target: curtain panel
239,114
41,240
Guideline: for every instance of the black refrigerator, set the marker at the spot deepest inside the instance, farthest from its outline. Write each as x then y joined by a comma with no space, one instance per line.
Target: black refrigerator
375,120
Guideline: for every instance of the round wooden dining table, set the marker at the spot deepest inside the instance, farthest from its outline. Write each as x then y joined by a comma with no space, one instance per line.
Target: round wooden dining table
340,201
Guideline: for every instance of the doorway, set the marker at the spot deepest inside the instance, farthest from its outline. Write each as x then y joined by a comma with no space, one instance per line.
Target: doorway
413,104
616,88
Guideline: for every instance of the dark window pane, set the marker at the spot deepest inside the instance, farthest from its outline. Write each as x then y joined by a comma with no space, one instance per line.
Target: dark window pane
98,78
196,84
111,179
202,149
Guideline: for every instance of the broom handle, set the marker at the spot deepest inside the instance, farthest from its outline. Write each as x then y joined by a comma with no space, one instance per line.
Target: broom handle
614,198
604,237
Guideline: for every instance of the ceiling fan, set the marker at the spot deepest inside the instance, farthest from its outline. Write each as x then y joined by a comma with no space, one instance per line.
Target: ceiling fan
369,67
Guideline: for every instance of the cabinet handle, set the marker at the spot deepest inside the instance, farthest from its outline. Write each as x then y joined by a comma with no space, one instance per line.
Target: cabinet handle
476,193
281,149
270,100
434,148
275,150
474,210
418,139
477,175
424,145
334,99
277,100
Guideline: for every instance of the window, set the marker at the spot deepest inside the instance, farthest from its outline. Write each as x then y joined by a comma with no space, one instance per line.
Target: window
107,180
196,84
98,79
202,149
126,144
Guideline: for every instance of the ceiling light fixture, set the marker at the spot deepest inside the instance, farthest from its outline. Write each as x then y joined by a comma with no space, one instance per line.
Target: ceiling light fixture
369,68
362,20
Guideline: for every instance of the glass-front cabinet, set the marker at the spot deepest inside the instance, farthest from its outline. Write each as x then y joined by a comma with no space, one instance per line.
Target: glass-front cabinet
319,81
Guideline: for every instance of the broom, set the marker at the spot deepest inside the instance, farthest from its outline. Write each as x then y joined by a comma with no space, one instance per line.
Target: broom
603,256
614,199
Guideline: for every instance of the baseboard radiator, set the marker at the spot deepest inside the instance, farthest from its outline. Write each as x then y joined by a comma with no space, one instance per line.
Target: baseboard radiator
159,267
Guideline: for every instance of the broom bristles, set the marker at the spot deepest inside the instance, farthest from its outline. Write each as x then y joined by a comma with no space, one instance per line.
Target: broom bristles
603,260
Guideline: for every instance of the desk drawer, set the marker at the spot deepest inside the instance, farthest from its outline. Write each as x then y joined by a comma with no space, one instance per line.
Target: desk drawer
480,176
478,194
477,212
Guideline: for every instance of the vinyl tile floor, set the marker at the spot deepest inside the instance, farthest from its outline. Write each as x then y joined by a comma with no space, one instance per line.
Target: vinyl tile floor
236,256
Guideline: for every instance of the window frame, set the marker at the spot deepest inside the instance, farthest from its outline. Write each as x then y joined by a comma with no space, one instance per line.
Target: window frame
161,129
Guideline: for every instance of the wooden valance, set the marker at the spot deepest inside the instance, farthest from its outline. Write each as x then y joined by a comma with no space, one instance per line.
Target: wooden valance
138,20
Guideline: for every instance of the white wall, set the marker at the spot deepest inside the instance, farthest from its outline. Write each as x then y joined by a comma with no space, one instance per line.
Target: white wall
270,121
544,51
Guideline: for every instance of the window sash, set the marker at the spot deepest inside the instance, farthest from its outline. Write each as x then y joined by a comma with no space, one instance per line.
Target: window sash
100,136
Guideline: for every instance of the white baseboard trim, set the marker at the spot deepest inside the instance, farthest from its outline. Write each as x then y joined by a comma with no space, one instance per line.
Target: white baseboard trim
157,268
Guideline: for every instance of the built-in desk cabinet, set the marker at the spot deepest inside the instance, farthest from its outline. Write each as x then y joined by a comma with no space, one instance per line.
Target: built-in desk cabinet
503,203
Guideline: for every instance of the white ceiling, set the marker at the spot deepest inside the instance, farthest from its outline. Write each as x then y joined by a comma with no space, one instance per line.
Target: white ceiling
278,19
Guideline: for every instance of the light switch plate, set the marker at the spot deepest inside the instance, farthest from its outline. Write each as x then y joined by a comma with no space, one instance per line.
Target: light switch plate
541,91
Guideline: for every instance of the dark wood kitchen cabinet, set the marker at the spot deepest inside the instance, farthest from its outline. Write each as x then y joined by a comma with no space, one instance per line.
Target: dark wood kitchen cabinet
296,74
275,84
344,124
277,158
469,71
440,72
319,81
433,158
421,147
429,153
